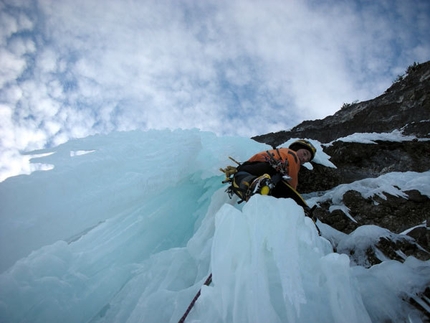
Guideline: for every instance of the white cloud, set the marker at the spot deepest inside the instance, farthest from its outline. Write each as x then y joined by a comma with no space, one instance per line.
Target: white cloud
11,67
6,127
8,25
75,68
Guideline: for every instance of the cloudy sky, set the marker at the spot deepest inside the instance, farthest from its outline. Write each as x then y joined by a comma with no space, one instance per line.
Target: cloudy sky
73,68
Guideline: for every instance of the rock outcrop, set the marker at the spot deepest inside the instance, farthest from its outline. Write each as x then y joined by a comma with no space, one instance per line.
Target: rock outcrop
403,108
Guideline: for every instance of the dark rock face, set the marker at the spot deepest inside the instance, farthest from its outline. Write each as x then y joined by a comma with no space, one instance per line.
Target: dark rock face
394,213
404,107
356,161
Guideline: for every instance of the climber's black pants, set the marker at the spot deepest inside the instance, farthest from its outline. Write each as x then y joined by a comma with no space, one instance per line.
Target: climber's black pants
259,168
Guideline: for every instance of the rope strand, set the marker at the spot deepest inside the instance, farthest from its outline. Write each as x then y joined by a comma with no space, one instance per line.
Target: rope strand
207,282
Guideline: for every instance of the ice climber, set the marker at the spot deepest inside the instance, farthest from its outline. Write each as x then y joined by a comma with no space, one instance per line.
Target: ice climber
272,172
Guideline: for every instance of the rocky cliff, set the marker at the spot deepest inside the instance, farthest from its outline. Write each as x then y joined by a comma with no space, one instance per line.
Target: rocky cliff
403,108
405,105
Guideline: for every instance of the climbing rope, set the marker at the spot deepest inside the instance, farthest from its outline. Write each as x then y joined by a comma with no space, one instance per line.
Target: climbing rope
207,283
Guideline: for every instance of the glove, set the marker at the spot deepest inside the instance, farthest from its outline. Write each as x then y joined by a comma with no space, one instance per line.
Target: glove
228,171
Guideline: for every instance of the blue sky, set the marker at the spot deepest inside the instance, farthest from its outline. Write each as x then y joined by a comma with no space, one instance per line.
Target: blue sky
73,68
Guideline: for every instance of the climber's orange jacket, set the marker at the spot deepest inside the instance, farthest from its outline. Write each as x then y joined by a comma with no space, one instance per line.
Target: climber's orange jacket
288,158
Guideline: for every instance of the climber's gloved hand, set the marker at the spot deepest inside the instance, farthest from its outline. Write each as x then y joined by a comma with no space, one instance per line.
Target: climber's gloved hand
228,171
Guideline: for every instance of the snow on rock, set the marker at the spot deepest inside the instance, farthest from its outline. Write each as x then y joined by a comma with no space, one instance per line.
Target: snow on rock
371,138
395,184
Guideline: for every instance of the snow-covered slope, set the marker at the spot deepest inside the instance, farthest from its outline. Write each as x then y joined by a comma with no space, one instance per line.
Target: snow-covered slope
126,227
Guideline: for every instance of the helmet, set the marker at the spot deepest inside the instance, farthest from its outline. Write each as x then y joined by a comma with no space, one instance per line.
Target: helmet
303,144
